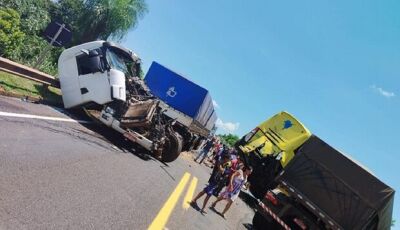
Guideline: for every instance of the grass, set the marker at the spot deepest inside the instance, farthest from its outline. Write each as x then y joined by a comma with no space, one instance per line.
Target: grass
15,85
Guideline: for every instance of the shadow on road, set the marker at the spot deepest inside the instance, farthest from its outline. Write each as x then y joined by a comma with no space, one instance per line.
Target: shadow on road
111,136
247,199
49,97
195,206
217,212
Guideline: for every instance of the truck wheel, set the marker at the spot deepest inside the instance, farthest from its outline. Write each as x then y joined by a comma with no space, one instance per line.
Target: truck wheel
172,147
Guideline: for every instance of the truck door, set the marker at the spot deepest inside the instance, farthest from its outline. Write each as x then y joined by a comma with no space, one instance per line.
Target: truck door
93,77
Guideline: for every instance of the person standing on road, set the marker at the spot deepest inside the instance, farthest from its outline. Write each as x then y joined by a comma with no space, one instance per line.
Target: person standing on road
218,156
216,148
236,164
228,172
203,153
217,161
236,161
213,183
238,179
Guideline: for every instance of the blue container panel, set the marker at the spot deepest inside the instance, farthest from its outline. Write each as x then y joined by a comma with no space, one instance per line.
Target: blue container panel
175,90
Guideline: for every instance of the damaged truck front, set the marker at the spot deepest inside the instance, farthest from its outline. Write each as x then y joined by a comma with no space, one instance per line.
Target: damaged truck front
104,79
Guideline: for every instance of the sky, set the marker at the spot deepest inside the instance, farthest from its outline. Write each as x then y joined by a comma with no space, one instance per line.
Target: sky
335,65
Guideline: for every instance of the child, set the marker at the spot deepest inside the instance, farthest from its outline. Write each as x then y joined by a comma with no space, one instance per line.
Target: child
238,179
213,183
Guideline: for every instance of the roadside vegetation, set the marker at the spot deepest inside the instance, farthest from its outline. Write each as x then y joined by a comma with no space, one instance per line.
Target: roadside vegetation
16,86
22,23
228,139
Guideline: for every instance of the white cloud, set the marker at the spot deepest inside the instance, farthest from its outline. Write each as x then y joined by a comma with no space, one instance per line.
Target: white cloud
227,127
382,92
215,104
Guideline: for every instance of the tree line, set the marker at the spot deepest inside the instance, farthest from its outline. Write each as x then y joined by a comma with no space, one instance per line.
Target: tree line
22,23
228,139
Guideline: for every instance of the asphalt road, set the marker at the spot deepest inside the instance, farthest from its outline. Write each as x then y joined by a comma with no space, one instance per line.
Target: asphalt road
61,174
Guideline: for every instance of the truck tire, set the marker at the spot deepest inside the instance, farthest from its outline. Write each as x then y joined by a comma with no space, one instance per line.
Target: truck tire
172,147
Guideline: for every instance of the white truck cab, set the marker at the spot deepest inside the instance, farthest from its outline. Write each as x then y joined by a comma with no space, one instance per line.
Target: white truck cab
93,72
103,78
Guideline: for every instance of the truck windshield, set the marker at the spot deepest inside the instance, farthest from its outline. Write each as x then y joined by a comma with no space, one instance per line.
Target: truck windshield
117,62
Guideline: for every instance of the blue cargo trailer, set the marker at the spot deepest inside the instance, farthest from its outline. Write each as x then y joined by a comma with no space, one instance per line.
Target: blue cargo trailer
181,94
183,100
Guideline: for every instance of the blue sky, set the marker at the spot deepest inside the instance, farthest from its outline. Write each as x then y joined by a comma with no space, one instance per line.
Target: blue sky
335,65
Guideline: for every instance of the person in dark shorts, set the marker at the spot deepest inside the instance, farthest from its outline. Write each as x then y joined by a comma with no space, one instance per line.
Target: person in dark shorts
218,158
227,173
213,183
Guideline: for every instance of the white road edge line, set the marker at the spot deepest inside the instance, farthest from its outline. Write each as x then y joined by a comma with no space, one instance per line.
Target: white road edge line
20,115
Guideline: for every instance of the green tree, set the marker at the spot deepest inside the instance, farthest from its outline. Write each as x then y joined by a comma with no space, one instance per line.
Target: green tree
33,46
71,12
228,139
89,20
34,17
99,19
34,13
11,37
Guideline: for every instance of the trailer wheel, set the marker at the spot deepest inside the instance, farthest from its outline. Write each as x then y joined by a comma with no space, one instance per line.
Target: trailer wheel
172,147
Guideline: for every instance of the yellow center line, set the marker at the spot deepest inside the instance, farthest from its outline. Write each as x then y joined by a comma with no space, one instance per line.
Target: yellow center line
189,193
163,216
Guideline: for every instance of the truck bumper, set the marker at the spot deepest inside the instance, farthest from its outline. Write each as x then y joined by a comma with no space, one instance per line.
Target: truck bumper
109,120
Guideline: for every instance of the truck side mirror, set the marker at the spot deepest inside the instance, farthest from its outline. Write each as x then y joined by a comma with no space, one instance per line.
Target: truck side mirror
90,62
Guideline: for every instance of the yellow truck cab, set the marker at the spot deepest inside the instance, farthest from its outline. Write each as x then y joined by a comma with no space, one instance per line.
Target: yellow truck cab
278,137
269,148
